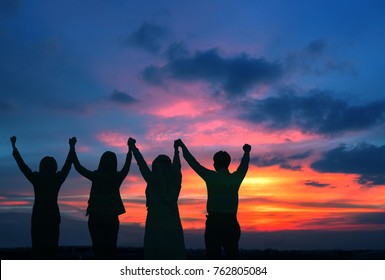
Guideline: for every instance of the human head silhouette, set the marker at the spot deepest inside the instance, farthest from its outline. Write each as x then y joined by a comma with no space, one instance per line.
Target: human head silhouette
161,165
48,165
221,160
161,162
108,162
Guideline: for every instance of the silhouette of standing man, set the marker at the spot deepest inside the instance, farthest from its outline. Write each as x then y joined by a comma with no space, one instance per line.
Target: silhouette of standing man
45,221
222,227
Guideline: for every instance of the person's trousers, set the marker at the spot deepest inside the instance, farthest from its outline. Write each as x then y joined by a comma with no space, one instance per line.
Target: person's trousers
222,231
104,234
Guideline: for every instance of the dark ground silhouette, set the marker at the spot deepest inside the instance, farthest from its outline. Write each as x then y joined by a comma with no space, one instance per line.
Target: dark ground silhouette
137,253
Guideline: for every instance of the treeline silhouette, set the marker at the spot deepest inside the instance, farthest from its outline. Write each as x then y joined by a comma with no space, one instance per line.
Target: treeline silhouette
163,238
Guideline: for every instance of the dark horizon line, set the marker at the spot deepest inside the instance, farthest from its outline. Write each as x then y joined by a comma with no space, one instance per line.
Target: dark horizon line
137,253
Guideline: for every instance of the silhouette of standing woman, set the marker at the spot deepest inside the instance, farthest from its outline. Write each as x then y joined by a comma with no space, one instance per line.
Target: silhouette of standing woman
45,221
163,237
105,203
222,227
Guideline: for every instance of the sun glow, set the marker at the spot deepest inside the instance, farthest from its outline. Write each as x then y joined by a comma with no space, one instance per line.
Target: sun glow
258,180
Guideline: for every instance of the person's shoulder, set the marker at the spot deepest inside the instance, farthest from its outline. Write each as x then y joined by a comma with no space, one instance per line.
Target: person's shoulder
213,173
235,173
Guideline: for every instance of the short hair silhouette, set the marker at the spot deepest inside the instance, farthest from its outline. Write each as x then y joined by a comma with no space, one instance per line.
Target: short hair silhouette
221,160
222,226
48,165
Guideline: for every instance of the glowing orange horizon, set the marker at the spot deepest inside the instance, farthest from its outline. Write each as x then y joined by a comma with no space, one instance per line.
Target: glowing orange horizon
270,198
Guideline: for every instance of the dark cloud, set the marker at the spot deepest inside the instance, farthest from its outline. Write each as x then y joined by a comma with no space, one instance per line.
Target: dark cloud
235,75
365,160
314,59
266,162
316,184
153,76
284,162
291,167
316,47
314,112
340,66
177,51
371,180
300,155
122,98
147,37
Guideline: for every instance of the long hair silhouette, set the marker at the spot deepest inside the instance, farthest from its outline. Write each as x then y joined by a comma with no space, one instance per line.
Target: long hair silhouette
45,221
105,203
163,237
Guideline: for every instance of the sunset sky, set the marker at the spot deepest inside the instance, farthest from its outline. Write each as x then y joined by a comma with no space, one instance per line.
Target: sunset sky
301,81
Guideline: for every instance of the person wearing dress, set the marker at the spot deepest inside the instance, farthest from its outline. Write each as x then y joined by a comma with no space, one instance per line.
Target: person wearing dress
163,238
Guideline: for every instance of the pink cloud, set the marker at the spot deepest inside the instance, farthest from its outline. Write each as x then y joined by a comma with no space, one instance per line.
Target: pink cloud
14,203
177,100
83,149
119,140
113,139
214,132
180,108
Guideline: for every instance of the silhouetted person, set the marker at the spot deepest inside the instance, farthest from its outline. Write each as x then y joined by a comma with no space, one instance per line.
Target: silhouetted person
222,227
45,221
163,237
105,203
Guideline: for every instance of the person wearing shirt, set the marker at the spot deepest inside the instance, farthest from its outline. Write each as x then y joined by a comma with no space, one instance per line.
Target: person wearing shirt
222,227
45,220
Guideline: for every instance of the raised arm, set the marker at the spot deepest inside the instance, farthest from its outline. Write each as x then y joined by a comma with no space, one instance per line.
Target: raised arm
79,168
244,165
63,173
127,163
176,160
20,162
143,167
194,164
